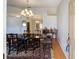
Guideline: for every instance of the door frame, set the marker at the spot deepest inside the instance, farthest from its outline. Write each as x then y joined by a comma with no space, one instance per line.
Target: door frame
71,5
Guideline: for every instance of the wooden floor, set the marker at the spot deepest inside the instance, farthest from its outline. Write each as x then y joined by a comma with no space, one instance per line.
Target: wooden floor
58,53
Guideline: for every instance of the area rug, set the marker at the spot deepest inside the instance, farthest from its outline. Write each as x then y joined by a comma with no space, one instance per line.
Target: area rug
43,52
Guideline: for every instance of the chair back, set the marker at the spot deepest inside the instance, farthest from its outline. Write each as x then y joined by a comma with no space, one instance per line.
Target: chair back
12,38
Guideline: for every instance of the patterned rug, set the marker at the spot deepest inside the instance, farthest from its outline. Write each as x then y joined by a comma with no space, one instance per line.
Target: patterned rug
43,52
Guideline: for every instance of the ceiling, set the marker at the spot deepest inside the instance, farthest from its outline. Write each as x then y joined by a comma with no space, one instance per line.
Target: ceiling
34,3
39,7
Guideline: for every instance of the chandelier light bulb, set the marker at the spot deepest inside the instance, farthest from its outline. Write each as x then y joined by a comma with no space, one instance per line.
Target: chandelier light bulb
26,10
22,12
31,13
27,13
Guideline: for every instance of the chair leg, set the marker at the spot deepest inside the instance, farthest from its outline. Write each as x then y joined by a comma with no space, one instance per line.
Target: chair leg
25,48
9,50
33,53
17,49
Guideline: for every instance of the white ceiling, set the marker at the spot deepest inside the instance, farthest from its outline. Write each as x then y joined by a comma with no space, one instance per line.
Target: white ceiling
34,3
39,7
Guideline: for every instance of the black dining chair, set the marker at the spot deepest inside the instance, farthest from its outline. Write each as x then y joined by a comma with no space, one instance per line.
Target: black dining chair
25,42
37,41
12,42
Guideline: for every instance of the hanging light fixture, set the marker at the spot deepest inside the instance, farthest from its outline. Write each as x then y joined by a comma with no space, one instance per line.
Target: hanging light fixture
27,12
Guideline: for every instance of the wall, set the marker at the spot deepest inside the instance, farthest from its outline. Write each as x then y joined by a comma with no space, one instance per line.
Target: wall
62,17
14,24
50,22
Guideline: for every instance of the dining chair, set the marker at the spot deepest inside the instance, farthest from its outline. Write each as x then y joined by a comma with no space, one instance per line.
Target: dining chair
12,42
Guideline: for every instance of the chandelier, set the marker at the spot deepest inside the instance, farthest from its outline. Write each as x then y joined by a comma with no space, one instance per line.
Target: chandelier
27,11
